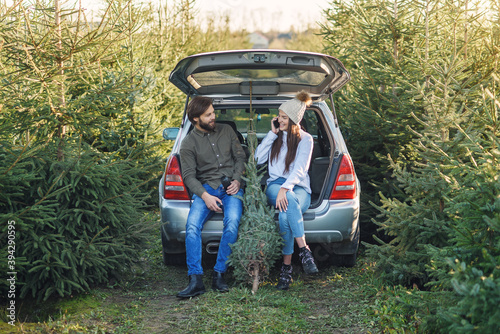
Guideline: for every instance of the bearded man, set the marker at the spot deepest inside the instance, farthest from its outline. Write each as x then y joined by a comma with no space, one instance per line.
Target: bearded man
209,154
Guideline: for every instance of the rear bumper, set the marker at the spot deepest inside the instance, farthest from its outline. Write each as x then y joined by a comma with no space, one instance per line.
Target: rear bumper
330,222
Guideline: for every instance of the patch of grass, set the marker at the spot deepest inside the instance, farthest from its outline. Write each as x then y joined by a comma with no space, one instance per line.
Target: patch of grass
401,310
240,311
28,310
336,300
81,303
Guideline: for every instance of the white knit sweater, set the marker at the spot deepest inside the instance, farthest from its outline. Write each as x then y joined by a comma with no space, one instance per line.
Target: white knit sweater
297,173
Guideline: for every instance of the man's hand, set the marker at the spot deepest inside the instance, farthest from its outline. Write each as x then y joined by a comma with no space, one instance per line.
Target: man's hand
233,188
211,202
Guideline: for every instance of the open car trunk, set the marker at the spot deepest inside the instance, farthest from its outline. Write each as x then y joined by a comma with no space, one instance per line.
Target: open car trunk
323,155
267,72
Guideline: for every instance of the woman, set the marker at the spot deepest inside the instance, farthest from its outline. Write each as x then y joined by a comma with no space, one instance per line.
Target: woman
288,150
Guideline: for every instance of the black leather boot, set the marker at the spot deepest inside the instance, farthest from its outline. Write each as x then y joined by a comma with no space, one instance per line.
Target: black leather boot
285,277
218,282
307,260
194,288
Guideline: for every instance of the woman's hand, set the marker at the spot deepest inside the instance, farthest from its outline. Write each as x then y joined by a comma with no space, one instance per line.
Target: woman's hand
274,129
281,201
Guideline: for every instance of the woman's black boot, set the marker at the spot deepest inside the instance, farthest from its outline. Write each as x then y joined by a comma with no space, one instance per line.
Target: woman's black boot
285,277
307,260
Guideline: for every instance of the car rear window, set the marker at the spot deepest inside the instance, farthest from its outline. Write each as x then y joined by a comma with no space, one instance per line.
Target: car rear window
262,119
236,76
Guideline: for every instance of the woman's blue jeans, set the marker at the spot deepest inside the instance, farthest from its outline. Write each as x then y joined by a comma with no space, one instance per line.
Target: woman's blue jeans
198,215
291,221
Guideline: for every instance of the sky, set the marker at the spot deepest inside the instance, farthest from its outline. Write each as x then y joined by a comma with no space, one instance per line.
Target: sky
253,15
265,15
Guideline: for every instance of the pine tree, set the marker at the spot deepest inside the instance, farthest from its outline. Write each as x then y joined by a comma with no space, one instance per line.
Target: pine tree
259,242
373,38
470,262
419,220
82,100
445,96
440,217
79,198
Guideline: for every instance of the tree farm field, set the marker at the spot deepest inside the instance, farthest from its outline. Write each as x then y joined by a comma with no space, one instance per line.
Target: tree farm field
337,300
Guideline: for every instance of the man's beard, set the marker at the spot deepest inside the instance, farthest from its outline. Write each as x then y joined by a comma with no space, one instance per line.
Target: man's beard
207,126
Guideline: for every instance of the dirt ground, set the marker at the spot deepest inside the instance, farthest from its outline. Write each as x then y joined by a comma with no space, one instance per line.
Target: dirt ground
145,302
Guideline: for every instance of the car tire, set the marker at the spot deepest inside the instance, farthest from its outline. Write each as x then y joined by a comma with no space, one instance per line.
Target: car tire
325,253
346,260
171,259
322,252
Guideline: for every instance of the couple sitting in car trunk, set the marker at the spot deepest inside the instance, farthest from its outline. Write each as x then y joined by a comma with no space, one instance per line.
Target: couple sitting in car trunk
211,153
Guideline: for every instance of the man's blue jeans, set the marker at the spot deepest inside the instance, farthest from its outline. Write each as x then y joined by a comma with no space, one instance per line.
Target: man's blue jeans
198,215
291,221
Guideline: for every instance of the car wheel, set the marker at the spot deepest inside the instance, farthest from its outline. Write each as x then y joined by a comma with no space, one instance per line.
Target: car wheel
327,253
322,252
170,259
347,260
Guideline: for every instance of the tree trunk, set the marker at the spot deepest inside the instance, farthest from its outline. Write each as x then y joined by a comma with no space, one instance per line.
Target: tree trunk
60,64
255,283
465,32
395,47
427,36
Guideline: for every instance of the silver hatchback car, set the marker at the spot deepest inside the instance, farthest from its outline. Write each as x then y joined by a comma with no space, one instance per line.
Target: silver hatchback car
268,78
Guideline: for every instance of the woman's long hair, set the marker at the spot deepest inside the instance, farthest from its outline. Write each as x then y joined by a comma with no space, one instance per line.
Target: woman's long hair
292,142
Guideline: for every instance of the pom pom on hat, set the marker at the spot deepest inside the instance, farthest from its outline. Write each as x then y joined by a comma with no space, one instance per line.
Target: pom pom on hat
304,97
296,107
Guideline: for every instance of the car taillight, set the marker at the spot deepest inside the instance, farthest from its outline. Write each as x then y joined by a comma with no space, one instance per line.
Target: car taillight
345,185
174,186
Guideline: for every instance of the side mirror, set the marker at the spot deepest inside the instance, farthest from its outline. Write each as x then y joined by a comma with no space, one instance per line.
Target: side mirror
170,133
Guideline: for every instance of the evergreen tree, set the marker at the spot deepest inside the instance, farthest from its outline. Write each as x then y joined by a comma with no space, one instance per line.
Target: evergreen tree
79,197
439,217
373,39
445,96
473,253
82,100
259,242
419,220
170,34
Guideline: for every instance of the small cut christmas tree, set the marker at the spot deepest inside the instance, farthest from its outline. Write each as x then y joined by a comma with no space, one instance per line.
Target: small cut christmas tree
259,242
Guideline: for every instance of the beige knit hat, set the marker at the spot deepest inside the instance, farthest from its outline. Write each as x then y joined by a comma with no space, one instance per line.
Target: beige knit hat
296,107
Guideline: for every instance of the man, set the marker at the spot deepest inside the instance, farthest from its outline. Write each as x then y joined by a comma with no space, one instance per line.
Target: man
208,153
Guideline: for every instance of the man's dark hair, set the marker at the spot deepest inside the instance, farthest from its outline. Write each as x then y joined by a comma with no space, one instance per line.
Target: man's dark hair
197,106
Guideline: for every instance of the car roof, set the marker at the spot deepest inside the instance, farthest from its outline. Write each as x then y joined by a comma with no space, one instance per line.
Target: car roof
260,73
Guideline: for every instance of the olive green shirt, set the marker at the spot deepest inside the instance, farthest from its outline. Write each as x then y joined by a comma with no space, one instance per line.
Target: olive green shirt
206,156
